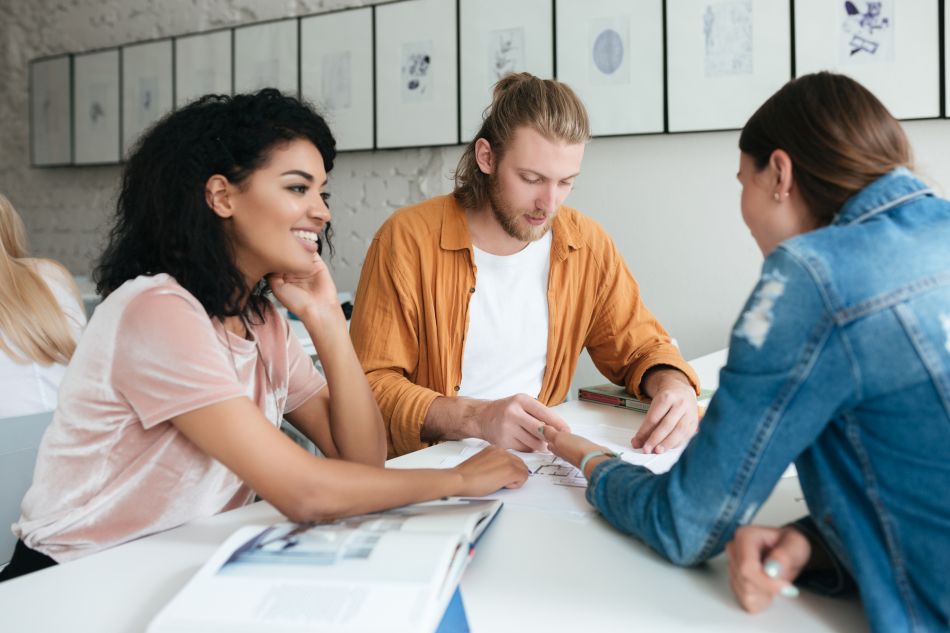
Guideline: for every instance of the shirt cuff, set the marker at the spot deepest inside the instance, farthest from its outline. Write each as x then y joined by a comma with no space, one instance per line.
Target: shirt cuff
830,582
671,360
597,482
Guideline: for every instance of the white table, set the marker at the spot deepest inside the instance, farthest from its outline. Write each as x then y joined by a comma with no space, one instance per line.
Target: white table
533,571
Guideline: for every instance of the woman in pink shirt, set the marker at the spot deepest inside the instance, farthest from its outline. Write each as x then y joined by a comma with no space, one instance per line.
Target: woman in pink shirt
170,409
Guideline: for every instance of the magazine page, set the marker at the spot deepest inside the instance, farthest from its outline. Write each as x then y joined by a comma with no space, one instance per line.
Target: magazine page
458,515
392,571
287,578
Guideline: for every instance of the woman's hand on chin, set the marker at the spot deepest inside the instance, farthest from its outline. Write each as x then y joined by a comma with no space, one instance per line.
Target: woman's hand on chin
306,294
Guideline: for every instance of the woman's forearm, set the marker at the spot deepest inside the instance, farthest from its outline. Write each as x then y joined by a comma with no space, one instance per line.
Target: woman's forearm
354,418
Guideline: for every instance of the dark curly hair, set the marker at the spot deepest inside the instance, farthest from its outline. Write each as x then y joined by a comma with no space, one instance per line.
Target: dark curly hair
163,223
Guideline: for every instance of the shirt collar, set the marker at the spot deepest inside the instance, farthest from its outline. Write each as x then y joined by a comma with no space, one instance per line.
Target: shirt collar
455,236
893,188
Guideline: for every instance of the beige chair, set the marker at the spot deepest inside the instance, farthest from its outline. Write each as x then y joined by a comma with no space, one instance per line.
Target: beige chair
19,440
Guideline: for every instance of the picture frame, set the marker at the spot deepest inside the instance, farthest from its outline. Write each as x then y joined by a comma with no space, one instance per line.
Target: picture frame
336,73
496,38
51,131
266,55
416,73
892,49
147,88
946,60
611,53
96,108
203,63
724,58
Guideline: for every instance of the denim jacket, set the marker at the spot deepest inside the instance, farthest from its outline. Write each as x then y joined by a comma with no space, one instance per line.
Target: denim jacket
840,362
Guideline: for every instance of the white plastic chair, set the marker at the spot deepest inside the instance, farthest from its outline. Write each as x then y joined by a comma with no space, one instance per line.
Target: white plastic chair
19,441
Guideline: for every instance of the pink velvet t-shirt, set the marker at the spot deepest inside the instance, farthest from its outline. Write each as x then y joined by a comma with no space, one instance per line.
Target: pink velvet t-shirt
111,467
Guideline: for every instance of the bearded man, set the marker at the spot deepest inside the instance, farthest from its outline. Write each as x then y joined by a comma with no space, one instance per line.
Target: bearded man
472,308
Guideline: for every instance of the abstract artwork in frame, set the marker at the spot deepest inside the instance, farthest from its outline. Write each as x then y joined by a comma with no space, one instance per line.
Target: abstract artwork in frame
146,88
724,58
96,107
51,140
611,53
336,64
265,56
889,46
496,38
202,65
416,74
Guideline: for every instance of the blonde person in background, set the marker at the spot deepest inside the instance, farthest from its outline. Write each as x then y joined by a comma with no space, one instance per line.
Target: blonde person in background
41,317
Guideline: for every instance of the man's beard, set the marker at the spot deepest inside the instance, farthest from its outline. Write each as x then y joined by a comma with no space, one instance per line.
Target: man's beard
508,219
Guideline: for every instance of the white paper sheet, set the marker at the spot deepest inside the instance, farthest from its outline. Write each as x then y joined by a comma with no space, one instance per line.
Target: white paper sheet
556,486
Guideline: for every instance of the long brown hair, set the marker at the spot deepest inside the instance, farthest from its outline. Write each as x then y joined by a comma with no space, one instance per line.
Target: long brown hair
520,99
33,326
839,136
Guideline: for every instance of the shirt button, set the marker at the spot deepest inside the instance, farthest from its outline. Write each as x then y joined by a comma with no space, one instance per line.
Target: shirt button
472,289
456,387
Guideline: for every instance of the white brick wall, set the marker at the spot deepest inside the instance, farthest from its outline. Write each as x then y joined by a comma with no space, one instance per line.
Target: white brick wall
67,210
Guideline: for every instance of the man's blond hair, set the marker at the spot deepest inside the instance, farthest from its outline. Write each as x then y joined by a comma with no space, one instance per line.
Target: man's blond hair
547,106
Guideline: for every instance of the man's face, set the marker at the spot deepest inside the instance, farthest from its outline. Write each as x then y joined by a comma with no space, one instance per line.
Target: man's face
531,181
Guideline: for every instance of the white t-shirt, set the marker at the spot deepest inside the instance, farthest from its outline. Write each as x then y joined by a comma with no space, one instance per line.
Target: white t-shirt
506,346
27,388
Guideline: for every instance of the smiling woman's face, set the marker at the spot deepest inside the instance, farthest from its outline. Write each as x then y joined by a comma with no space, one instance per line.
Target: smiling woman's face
278,213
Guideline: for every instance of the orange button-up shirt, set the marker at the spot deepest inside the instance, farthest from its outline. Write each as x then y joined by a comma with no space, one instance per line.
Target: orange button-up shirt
410,316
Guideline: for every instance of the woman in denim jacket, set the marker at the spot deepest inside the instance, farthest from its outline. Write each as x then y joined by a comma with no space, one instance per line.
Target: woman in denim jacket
840,362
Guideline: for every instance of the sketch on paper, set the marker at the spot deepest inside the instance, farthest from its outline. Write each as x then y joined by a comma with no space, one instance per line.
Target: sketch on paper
556,470
416,71
505,52
867,31
609,50
337,81
727,30
146,105
97,109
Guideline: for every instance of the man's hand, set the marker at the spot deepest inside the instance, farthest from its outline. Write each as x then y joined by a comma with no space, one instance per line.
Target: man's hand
513,422
763,562
673,416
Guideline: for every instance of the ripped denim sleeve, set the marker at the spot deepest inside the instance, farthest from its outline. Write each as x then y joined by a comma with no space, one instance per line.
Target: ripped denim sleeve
756,320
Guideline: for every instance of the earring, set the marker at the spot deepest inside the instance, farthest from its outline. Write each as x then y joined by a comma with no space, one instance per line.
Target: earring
776,197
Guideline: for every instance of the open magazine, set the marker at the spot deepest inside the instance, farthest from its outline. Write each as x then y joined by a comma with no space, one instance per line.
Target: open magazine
389,571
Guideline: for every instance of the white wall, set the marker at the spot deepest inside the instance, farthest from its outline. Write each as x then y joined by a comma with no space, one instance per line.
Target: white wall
670,201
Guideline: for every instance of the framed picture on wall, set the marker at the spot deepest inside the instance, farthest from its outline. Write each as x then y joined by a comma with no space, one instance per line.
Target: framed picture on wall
416,74
202,65
336,73
496,38
265,56
611,53
891,47
51,135
724,58
96,107
146,88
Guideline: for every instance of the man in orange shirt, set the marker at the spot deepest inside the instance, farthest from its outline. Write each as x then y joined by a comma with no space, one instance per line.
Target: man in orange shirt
448,357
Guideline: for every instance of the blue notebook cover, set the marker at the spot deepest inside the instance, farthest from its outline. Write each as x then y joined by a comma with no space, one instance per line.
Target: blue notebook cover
454,620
